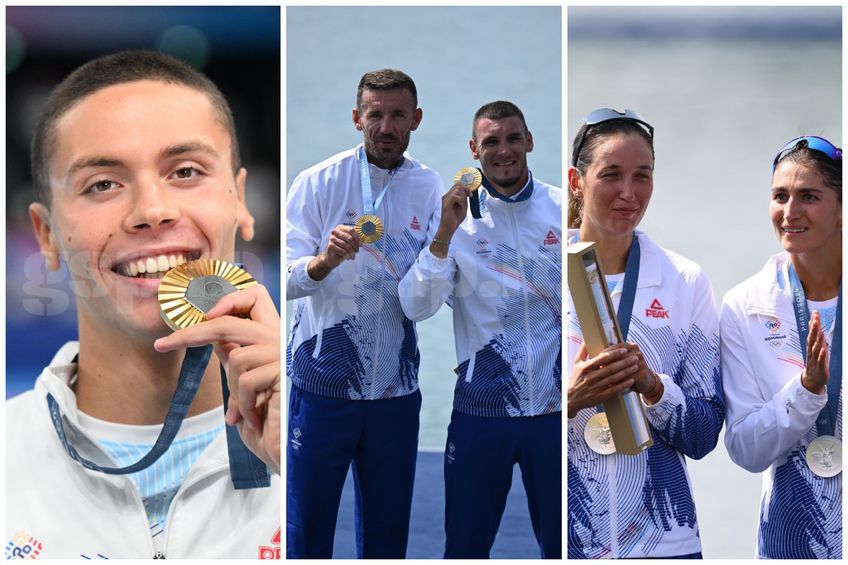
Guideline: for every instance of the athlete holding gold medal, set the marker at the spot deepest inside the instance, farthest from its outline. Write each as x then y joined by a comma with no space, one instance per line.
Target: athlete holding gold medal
781,358
497,257
138,172
356,222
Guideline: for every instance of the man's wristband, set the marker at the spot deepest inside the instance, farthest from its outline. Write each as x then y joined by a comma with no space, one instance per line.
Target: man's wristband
442,241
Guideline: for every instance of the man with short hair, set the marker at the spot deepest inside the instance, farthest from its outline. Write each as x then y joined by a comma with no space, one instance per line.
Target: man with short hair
137,170
356,222
498,262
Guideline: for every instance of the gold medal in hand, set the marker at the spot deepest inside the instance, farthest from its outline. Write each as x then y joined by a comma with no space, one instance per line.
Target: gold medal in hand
369,228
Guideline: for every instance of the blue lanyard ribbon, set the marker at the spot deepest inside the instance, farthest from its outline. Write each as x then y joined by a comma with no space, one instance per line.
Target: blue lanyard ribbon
628,295
826,421
369,206
247,470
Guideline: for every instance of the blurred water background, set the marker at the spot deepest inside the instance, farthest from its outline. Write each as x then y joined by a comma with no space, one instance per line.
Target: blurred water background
725,88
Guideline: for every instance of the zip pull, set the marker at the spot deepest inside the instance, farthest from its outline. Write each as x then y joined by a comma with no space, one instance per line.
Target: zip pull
158,555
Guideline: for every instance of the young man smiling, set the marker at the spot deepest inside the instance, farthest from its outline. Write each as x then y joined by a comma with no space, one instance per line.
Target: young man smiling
136,164
501,272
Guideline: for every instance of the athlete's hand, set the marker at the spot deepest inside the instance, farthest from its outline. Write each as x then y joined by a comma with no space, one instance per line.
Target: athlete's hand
643,378
454,208
342,245
250,351
595,380
816,372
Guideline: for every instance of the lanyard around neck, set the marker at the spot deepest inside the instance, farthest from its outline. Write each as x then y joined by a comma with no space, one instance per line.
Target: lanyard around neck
628,295
369,204
247,470
826,421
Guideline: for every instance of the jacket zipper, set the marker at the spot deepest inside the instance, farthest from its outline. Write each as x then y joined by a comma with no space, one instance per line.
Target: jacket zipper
527,336
377,341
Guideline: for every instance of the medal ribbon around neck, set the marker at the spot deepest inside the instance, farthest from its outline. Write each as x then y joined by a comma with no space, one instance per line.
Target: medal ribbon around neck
368,226
628,295
179,287
826,421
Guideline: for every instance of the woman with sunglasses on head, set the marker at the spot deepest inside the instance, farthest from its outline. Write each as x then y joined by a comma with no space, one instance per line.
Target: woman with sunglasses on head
782,364
637,506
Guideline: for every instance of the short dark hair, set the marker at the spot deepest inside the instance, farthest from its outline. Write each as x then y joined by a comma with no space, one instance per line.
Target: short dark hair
496,110
386,79
592,135
110,70
829,169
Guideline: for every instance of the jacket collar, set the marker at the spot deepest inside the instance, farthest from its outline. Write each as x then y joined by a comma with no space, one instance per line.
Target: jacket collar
771,295
650,265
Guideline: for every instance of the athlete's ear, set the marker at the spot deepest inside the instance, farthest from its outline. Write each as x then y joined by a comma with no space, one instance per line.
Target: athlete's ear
244,220
39,215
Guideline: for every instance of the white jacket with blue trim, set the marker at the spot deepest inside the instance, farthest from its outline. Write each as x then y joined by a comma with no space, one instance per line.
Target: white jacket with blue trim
641,505
771,418
503,278
349,338
56,508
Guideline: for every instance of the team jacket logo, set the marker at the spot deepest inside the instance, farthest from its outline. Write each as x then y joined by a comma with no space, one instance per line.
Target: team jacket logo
551,238
271,551
481,246
23,546
773,325
656,310
775,339
449,454
414,224
351,213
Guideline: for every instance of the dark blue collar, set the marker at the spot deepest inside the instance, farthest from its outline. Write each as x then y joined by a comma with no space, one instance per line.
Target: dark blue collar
523,195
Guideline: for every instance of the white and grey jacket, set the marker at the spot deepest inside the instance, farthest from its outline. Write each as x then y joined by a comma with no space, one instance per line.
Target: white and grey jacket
349,337
771,418
503,279
642,505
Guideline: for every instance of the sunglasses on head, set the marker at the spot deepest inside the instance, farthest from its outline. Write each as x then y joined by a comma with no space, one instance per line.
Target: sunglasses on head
815,143
602,115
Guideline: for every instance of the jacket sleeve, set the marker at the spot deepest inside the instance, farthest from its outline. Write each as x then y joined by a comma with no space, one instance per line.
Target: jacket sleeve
304,232
427,285
690,414
759,430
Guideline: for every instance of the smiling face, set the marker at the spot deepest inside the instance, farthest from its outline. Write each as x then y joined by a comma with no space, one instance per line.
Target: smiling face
805,212
502,147
616,187
386,119
141,179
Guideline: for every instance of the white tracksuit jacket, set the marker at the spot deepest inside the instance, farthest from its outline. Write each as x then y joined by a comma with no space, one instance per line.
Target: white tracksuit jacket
771,418
349,338
55,508
503,278
646,499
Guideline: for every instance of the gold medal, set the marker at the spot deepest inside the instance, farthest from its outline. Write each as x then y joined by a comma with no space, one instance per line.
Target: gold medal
369,228
469,177
824,456
190,290
598,434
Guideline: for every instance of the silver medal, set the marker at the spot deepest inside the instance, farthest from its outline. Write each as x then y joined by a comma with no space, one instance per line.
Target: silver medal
598,434
824,456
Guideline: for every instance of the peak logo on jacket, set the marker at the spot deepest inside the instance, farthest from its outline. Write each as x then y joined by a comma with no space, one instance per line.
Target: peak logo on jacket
271,551
551,238
414,224
656,310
